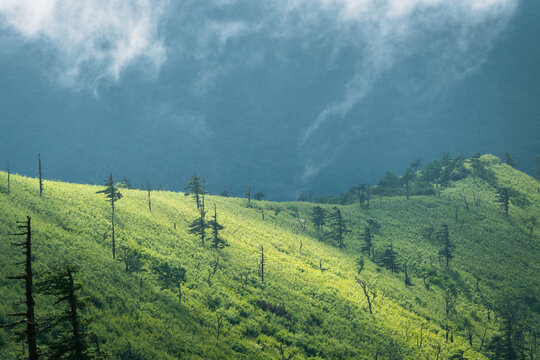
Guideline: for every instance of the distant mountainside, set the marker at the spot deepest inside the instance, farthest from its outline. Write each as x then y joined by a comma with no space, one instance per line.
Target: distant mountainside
313,302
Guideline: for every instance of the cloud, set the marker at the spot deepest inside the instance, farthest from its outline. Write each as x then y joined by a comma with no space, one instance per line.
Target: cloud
389,32
92,40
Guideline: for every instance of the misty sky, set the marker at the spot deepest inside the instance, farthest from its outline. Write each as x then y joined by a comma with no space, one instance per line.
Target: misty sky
283,95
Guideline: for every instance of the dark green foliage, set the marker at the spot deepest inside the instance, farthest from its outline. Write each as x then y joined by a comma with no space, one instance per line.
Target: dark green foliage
338,227
408,176
389,184
416,164
71,340
360,264
217,241
132,258
318,217
194,188
125,183
367,246
509,159
30,333
536,160
259,196
503,198
388,258
432,174
276,309
169,276
199,225
447,250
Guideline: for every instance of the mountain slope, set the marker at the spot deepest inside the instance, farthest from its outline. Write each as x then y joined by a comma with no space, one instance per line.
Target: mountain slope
300,309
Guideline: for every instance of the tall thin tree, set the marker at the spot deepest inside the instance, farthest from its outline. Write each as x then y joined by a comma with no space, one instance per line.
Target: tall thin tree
148,190
40,176
339,227
113,195
194,188
217,241
28,316
448,247
8,179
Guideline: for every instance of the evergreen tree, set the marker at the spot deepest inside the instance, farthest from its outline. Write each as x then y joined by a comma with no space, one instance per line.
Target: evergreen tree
338,227
443,237
199,225
170,277
368,241
71,343
432,174
388,258
113,195
503,198
28,316
318,217
407,177
509,159
125,183
259,196
217,241
194,188
416,164
536,160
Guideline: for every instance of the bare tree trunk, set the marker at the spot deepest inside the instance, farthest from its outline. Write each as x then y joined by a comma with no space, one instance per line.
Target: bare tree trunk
29,314
9,175
40,176
113,240
149,189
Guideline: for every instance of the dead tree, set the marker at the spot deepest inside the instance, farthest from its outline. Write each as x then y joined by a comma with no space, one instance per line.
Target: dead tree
248,195
28,317
261,264
40,176
8,178
369,297
149,189
215,265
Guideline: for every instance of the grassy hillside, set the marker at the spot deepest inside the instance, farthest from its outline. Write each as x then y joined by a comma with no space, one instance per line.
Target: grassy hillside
300,309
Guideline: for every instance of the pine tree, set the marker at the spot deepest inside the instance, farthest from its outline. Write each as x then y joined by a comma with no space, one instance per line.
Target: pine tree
368,241
113,195
318,217
509,159
388,258
194,188
503,198
407,177
28,316
199,225
217,241
443,237
72,341
170,277
338,227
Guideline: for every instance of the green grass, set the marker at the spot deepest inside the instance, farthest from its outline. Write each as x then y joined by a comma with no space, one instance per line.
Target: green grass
327,311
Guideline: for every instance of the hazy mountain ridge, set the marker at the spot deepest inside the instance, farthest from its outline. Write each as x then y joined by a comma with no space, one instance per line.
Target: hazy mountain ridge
311,304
